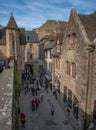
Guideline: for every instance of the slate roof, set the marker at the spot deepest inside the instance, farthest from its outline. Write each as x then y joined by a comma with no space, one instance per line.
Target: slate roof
89,23
32,36
12,23
22,36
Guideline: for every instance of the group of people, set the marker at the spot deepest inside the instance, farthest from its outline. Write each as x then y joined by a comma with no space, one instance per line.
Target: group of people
34,85
35,103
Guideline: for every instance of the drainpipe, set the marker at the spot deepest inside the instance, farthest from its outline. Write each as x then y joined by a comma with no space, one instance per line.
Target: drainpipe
90,49
53,73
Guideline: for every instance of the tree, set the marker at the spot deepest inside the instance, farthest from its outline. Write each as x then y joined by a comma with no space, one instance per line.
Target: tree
94,13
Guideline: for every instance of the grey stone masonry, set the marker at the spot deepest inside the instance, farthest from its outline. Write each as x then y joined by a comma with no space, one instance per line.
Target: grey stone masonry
6,92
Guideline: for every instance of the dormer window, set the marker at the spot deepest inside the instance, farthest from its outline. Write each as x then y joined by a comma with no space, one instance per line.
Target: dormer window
58,45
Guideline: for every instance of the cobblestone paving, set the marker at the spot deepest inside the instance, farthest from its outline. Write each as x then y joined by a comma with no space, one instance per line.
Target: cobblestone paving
42,118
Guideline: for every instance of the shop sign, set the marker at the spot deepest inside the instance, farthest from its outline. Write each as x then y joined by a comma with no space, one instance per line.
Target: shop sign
57,75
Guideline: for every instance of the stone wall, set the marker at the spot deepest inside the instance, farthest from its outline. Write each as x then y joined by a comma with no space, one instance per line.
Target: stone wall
79,56
6,95
2,51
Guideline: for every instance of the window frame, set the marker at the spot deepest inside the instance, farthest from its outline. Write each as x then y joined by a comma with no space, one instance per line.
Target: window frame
68,68
73,70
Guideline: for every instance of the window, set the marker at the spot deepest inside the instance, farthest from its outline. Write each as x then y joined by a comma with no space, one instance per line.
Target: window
73,70
68,68
71,41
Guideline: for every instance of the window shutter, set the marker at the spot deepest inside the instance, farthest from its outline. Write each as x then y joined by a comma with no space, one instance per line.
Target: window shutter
68,68
73,70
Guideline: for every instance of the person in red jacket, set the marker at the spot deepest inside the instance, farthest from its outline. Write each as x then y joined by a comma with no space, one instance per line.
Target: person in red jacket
33,102
23,119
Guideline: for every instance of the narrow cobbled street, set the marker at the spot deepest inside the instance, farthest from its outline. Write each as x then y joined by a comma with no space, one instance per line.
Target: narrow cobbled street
41,119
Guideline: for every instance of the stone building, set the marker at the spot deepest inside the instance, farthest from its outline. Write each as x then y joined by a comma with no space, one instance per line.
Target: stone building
32,52
48,50
78,70
45,32
12,43
56,72
48,28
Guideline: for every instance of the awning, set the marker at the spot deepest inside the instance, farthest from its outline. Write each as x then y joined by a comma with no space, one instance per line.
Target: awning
41,72
68,103
48,76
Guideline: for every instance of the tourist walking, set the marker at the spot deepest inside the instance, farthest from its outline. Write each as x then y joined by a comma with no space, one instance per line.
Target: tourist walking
23,119
52,110
32,89
37,102
33,102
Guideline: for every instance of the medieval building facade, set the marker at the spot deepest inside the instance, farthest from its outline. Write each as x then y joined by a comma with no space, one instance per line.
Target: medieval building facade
56,71
32,52
78,74
12,43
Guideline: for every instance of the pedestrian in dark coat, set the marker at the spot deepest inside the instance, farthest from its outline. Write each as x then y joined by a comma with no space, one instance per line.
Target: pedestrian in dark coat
37,102
33,102
52,110
32,89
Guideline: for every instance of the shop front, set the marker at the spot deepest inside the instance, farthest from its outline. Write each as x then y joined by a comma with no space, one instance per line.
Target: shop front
75,107
71,102
68,98
42,73
48,80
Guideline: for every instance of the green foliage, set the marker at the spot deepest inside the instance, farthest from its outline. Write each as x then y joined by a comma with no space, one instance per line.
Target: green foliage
16,81
94,13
